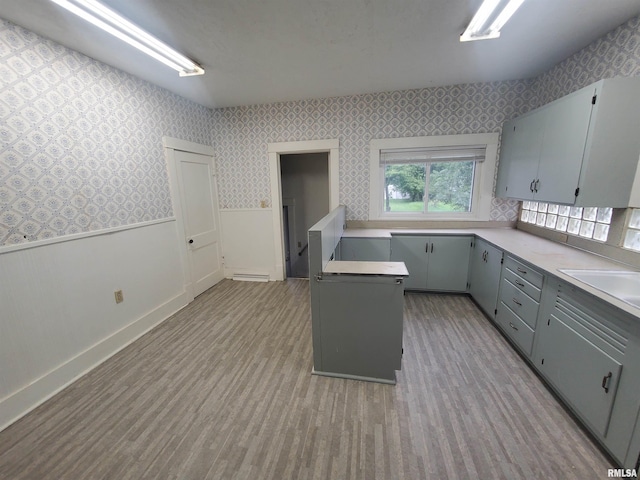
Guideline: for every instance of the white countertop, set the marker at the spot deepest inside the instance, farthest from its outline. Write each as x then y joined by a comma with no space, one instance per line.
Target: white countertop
367,268
544,254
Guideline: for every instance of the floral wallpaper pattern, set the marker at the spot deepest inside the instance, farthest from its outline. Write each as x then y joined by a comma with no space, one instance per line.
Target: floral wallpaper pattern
241,134
615,54
81,142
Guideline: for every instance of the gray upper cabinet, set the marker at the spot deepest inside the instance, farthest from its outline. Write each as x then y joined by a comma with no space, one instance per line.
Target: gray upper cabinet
484,278
438,263
582,149
519,157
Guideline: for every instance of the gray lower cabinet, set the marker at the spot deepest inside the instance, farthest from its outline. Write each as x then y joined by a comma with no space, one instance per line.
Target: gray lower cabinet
360,319
365,249
484,278
590,354
517,312
435,263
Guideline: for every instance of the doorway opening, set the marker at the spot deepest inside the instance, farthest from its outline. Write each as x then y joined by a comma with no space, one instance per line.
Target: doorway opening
304,178
329,148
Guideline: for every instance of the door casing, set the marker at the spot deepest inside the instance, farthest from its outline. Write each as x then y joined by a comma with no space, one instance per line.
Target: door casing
332,147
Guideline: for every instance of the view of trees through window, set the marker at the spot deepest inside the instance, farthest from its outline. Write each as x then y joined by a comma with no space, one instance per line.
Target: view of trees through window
429,187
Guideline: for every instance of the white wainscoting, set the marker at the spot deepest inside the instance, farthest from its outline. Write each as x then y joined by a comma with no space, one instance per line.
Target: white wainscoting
58,316
248,242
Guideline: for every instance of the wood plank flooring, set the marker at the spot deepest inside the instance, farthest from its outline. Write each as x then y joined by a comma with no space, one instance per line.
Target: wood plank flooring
223,390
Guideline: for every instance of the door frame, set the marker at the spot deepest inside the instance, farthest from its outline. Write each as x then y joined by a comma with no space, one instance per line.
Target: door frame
170,145
330,146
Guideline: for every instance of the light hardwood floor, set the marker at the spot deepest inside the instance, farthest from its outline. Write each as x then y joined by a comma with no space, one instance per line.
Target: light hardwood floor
223,390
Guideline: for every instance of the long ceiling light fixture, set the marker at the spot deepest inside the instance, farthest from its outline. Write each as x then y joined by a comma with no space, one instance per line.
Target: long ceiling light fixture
118,26
489,19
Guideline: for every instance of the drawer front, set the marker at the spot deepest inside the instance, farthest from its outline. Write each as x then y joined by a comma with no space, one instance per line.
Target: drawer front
515,328
526,272
520,303
523,284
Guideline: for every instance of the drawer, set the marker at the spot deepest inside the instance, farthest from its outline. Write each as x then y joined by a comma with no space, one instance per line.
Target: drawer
525,271
523,284
515,328
522,304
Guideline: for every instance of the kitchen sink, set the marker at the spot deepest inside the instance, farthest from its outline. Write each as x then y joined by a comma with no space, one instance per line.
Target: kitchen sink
621,284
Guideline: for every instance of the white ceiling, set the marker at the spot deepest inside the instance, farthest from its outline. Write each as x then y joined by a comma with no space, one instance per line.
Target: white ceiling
263,51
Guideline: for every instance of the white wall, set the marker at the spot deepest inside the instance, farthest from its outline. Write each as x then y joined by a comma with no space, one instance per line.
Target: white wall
58,316
247,242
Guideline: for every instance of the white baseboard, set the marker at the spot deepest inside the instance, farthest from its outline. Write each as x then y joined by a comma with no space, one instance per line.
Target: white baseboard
18,404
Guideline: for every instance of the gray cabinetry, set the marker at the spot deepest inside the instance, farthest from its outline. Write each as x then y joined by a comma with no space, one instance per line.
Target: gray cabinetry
484,278
589,352
361,333
365,249
580,150
520,291
437,263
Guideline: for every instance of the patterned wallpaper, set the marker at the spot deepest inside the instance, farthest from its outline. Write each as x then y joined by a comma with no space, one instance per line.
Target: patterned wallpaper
241,134
81,150
81,142
615,54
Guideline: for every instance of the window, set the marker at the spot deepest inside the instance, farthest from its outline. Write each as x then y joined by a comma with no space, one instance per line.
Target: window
587,222
441,177
632,237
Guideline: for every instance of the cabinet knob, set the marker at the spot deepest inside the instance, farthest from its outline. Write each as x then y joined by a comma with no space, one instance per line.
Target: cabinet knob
190,241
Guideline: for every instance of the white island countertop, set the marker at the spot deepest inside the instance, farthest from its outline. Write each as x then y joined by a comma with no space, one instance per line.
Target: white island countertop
367,268
548,256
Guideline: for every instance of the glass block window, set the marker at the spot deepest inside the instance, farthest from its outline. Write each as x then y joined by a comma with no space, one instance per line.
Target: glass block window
587,222
632,237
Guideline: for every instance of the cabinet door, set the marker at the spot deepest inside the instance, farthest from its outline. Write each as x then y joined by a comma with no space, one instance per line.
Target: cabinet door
448,266
365,249
582,372
486,264
522,155
565,134
360,325
413,251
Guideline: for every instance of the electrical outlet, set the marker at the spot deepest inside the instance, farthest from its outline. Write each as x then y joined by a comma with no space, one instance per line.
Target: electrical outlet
119,296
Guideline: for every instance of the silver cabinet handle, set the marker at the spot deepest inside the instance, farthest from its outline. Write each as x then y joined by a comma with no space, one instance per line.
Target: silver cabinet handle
535,185
531,185
426,247
605,382
521,285
516,302
513,326
524,272
432,248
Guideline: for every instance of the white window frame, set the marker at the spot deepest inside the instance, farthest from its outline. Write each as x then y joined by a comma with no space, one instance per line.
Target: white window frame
482,184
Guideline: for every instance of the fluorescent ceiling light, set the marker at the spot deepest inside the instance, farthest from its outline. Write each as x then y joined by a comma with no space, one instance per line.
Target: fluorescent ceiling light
118,26
487,22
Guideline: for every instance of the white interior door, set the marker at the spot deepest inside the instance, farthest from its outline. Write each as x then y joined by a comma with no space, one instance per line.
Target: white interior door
199,205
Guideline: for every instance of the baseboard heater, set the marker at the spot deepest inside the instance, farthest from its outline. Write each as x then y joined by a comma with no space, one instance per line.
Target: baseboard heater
251,277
